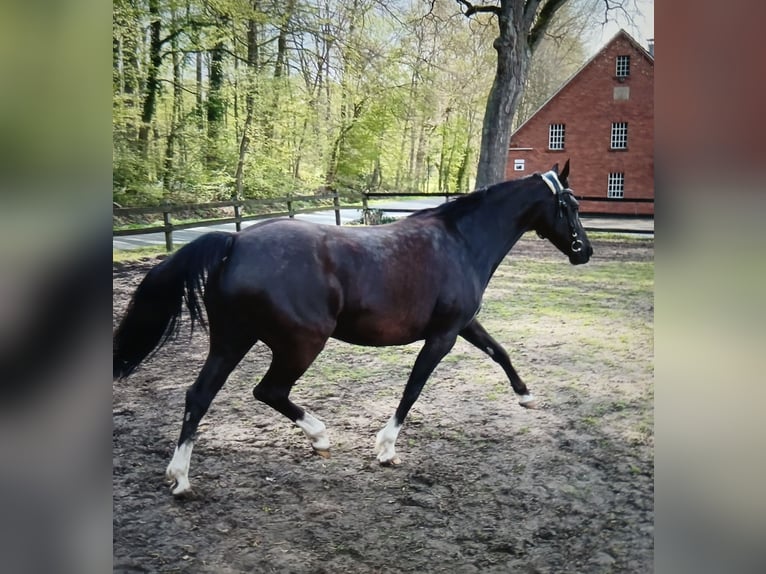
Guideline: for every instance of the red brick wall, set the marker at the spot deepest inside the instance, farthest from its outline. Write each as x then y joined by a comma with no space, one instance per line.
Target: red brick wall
587,107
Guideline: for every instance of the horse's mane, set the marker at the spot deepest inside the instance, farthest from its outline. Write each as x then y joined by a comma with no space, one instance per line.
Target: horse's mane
453,210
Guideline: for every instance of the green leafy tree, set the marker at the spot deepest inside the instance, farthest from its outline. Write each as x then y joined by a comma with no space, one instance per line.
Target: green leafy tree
522,25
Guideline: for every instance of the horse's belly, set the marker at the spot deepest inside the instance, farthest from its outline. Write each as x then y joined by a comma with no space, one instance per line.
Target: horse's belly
378,331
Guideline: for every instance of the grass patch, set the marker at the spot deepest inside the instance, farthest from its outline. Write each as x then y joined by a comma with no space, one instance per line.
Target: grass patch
126,255
621,237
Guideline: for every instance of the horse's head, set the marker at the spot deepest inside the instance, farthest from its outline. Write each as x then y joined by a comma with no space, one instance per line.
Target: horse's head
560,223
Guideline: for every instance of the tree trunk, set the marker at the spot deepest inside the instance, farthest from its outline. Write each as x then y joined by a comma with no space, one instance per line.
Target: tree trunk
348,109
244,142
513,56
408,126
118,85
200,95
279,69
215,103
284,26
462,171
168,172
250,79
152,79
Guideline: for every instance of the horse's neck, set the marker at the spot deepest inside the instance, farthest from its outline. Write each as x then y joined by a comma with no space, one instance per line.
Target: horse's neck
497,225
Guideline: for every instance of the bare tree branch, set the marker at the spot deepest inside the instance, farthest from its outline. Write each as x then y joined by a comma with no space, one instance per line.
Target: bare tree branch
619,6
543,21
471,9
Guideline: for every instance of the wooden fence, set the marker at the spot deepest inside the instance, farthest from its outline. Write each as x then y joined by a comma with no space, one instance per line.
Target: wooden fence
324,202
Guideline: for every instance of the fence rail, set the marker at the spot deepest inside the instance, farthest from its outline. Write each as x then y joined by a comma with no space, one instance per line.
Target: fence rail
168,226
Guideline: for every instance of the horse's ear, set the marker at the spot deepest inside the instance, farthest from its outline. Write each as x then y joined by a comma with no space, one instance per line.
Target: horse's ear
555,168
564,174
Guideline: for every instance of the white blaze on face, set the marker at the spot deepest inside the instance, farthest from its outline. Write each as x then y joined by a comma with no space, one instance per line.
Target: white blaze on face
178,469
385,441
315,430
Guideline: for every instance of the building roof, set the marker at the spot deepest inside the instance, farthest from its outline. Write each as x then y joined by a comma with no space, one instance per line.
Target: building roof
621,33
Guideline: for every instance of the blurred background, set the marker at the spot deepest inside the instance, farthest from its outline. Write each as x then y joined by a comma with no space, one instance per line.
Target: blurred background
55,176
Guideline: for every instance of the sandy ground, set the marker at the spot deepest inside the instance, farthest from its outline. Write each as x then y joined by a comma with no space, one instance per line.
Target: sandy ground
484,485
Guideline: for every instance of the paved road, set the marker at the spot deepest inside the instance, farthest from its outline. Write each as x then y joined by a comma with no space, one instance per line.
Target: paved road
348,215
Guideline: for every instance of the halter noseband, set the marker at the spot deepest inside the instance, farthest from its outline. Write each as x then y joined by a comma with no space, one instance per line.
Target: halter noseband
551,179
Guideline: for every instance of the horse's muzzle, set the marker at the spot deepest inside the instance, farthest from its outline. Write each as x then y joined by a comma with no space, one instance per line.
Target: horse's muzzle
580,253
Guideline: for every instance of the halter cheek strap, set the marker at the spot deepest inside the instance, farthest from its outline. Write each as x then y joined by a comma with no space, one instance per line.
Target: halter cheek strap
551,179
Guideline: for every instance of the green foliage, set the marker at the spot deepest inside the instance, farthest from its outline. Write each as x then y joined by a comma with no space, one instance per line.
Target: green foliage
388,99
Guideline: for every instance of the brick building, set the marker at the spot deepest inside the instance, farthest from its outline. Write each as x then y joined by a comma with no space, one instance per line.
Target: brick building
602,120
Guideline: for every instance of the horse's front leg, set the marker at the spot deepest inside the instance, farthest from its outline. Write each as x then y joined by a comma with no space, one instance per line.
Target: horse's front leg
432,352
475,334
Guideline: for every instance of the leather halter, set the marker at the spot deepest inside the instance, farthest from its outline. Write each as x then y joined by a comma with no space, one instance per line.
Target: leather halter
551,179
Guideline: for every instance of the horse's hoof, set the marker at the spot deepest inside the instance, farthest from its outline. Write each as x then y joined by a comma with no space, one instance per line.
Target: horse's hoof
528,401
323,453
187,494
396,461
181,492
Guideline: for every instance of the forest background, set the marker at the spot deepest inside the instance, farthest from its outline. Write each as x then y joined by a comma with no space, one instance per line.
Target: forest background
259,98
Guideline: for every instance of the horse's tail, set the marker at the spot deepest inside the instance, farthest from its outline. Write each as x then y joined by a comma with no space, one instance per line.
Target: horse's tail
153,312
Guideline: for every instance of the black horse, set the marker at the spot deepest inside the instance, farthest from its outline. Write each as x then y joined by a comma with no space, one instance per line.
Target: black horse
293,285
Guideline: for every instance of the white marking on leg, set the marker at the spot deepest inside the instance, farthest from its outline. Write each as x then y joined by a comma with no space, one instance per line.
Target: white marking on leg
526,399
178,469
490,352
315,430
385,441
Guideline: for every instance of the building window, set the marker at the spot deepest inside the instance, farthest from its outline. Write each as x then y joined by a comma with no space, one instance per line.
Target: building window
620,135
623,66
518,165
616,186
556,136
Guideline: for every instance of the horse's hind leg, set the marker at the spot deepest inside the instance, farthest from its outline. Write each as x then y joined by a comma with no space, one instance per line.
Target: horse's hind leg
475,334
288,363
215,371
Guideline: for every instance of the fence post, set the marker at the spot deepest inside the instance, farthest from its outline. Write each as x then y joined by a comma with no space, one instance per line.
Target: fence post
237,215
365,209
168,230
336,203
290,212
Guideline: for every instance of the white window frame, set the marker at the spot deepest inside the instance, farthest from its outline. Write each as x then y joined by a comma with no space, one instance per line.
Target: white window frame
518,165
619,135
556,135
622,66
615,187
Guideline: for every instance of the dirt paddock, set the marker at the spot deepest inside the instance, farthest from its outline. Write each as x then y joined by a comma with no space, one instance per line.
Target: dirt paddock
484,485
